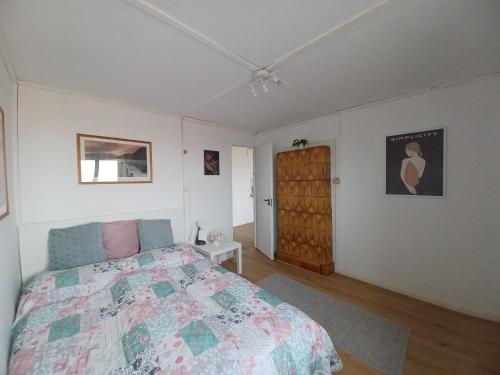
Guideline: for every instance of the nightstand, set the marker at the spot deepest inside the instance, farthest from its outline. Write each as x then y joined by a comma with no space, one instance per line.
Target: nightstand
225,246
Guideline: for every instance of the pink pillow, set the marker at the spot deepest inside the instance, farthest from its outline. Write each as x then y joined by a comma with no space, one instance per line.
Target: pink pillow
120,239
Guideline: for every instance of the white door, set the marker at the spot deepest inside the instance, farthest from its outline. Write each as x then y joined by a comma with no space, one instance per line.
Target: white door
264,199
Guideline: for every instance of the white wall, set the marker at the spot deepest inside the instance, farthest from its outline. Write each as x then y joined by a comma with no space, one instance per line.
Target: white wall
50,195
443,250
242,167
10,276
209,197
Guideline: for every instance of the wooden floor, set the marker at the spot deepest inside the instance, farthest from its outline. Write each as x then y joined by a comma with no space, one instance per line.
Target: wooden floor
441,341
244,234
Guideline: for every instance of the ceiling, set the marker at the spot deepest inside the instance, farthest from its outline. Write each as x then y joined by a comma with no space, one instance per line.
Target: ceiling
195,58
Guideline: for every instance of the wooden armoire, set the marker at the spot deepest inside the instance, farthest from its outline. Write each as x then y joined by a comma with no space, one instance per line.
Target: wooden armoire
304,208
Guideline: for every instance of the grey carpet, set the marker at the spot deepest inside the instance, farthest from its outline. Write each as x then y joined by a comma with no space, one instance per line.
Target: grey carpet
379,342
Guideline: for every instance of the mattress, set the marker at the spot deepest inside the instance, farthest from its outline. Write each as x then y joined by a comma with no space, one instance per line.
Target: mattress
165,311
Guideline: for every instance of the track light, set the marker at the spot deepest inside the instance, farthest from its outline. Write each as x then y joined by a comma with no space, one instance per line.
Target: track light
262,77
252,89
276,80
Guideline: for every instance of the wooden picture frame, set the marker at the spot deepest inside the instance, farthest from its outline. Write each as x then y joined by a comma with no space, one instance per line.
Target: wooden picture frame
109,160
4,186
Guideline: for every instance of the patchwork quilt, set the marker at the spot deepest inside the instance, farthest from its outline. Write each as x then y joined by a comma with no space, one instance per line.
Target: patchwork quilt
166,311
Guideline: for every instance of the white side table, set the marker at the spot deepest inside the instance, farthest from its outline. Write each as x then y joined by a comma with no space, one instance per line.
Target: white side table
225,246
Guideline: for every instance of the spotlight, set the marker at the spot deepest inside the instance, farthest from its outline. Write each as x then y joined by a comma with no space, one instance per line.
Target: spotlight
276,80
252,89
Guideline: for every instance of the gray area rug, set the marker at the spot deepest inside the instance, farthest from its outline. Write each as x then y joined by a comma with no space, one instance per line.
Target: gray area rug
377,341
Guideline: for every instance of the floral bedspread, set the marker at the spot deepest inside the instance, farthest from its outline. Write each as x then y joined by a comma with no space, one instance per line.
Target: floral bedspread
166,311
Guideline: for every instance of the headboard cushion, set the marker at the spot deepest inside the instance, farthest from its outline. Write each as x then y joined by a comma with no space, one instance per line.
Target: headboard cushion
120,239
75,246
155,234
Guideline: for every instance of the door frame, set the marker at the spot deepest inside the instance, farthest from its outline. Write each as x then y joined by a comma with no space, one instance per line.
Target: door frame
253,197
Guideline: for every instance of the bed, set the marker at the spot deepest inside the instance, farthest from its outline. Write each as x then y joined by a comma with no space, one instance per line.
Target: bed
165,311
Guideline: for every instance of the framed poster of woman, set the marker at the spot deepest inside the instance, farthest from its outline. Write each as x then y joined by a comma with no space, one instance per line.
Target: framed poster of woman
415,163
4,196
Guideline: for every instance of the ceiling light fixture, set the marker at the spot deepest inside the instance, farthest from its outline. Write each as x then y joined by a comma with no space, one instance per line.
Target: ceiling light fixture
276,80
262,77
252,89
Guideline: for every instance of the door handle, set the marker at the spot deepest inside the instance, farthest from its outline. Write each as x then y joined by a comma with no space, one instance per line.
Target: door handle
269,201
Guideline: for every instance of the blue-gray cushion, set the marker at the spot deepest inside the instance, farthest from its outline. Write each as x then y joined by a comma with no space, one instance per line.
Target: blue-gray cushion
154,234
75,246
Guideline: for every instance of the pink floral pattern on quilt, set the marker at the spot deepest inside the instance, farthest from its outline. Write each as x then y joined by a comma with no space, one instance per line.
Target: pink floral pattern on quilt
166,311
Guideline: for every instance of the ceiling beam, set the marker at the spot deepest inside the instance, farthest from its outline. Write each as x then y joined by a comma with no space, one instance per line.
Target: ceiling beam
220,94
193,33
329,32
5,59
324,109
285,85
166,18
218,125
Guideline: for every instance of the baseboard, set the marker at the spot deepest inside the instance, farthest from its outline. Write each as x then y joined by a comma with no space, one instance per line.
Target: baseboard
322,269
461,310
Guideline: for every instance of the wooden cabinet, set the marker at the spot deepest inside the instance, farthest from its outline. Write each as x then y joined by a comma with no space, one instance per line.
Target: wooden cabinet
304,208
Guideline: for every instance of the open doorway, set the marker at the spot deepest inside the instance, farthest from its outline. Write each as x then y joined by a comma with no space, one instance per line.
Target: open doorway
243,196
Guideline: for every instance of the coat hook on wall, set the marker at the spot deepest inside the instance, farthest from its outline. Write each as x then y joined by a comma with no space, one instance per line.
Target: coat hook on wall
300,142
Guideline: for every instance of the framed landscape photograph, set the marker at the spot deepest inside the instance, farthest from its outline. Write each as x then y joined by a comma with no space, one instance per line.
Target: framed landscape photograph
415,163
4,196
106,160
211,162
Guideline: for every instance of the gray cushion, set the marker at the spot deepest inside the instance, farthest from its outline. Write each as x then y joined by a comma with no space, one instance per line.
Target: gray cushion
75,246
155,234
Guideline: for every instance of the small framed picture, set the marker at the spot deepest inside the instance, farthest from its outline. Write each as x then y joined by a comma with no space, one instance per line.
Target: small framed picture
106,160
4,195
415,163
211,162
